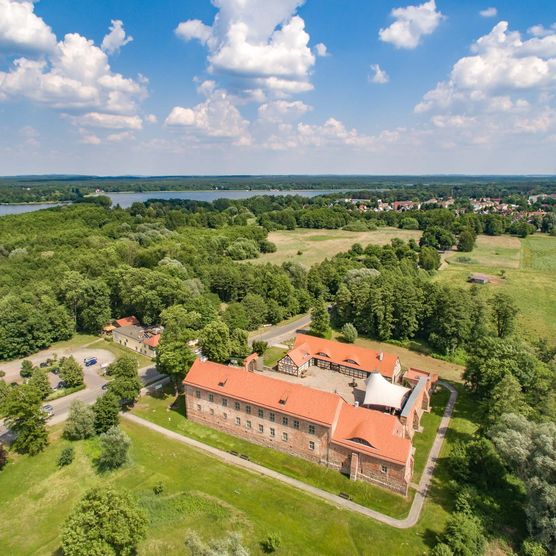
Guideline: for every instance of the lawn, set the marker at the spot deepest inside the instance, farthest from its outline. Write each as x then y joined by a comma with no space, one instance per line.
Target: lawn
157,410
531,282
316,245
211,498
272,355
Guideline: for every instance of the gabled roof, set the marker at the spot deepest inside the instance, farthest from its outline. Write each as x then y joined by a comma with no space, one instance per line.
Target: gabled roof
152,341
383,393
307,347
284,397
131,331
413,375
372,432
127,321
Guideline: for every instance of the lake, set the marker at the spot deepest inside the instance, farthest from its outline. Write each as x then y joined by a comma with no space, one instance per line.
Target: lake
126,199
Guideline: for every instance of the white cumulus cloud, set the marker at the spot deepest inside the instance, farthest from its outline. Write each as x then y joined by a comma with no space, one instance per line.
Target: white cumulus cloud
22,31
488,12
257,44
379,75
321,50
412,23
116,38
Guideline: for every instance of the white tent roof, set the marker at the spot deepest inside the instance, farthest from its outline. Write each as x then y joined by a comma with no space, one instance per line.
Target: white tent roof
381,392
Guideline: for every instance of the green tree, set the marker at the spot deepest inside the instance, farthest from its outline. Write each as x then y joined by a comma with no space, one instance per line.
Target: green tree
66,456
215,342
126,389
506,396
26,368
106,410
504,312
429,258
3,457
114,444
105,521
466,240
349,332
437,237
174,358
465,535
81,421
71,372
259,347
320,319
4,392
24,416
39,380
124,367
239,347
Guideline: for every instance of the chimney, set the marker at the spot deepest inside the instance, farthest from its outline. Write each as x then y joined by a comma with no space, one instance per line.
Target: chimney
380,356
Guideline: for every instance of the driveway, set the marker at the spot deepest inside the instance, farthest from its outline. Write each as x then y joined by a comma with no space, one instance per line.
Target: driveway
280,333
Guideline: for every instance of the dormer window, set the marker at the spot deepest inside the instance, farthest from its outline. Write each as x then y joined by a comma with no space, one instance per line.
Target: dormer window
322,354
352,361
222,383
358,440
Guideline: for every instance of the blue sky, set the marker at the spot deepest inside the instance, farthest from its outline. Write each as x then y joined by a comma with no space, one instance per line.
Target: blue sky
277,86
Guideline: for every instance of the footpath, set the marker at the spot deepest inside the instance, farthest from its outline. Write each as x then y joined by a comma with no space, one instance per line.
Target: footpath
405,523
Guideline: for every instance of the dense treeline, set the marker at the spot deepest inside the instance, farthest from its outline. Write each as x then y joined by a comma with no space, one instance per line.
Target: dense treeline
21,189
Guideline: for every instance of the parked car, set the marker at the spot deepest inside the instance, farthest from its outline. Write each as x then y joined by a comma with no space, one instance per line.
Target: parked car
49,410
43,365
89,361
60,385
55,370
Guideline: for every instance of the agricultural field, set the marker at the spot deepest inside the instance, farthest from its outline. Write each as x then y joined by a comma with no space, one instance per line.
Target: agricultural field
317,245
525,269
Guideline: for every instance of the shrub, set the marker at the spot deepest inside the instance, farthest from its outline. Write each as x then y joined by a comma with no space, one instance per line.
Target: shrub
66,456
259,347
26,368
115,444
3,457
81,421
349,333
158,488
271,543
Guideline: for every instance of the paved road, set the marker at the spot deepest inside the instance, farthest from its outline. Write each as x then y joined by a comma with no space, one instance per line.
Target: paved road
280,333
406,523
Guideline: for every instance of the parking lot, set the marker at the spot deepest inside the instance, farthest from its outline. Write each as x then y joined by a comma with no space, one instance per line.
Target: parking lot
92,374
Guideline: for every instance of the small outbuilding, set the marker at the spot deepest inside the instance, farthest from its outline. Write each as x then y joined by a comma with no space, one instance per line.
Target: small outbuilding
477,278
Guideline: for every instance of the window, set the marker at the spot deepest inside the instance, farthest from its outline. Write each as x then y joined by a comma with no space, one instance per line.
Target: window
225,415
198,394
296,424
272,432
272,417
384,469
248,409
237,406
224,402
261,413
211,411
248,424
311,445
211,397
261,428
311,429
284,420
285,436
238,421
198,407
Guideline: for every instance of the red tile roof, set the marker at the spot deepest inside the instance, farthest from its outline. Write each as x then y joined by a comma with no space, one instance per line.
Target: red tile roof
127,321
382,432
413,375
306,347
152,341
301,401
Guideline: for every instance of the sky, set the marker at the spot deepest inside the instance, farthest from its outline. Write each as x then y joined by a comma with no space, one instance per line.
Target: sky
211,87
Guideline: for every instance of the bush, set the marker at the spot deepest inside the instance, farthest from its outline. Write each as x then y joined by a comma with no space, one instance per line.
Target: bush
409,223
106,411
158,488
3,457
532,548
81,421
271,543
349,333
259,347
26,368
66,456
114,444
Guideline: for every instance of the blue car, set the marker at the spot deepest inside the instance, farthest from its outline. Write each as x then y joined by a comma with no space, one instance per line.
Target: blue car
89,361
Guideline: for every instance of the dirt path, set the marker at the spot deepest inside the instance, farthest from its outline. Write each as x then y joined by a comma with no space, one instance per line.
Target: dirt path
407,522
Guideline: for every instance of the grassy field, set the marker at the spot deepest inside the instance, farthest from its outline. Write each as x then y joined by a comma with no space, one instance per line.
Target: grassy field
211,498
156,409
317,245
529,269
272,355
